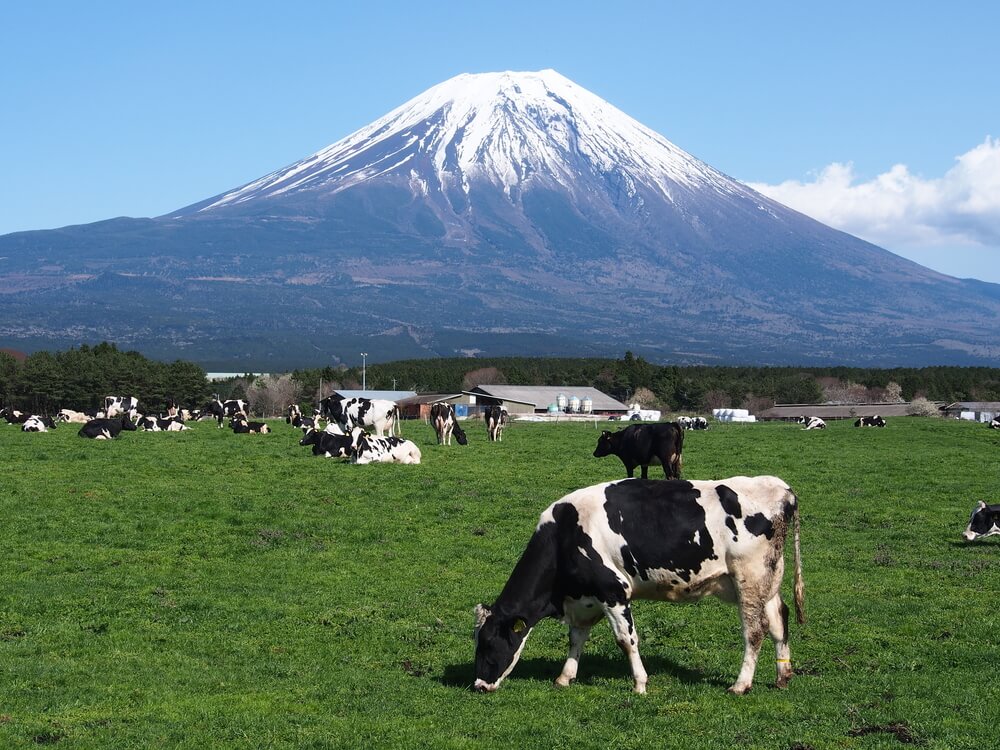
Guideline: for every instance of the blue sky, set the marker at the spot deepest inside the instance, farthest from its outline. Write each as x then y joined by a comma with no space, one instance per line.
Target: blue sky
882,119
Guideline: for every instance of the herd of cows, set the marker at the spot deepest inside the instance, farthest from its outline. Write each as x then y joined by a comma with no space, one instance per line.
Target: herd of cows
592,551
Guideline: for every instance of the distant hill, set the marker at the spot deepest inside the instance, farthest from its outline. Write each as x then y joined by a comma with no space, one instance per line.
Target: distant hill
495,214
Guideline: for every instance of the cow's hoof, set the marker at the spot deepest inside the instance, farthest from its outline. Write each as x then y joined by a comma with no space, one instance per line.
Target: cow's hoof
640,688
782,682
738,690
563,682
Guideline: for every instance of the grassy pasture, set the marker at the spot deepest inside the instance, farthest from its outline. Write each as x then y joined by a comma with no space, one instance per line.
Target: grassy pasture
206,589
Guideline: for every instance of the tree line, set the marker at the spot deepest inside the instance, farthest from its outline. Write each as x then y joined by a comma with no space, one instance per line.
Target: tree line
80,377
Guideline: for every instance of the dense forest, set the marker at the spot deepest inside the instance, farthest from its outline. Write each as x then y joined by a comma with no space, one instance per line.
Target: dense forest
79,378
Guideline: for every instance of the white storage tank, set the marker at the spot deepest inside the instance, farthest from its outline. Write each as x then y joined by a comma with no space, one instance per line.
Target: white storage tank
561,401
586,404
574,404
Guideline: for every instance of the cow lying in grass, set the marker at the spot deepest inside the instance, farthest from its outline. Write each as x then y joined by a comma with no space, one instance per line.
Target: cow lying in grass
362,448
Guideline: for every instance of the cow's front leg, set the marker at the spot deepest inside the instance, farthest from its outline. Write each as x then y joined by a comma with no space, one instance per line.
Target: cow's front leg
620,617
577,638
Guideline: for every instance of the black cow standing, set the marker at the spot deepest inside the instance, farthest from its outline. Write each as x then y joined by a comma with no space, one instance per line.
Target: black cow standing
644,444
219,410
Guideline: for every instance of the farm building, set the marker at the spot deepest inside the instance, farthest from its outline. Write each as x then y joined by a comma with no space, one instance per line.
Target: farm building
974,411
536,399
419,406
834,411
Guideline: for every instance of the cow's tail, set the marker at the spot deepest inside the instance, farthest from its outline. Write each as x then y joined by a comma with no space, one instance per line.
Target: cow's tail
800,588
680,452
395,421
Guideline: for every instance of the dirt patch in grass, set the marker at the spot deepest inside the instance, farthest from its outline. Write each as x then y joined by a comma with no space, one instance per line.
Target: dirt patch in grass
899,729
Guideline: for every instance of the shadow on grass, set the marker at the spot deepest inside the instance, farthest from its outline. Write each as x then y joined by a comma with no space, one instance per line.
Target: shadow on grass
591,668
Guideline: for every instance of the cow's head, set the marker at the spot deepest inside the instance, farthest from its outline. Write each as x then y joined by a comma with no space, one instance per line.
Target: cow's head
311,437
127,424
605,444
460,435
985,521
500,638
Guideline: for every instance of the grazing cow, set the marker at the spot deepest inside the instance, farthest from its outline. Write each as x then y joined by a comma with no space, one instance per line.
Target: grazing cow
995,423
367,449
241,426
220,410
645,444
36,423
812,423
68,415
328,444
104,428
115,405
445,423
985,521
381,415
598,548
875,421
13,416
496,419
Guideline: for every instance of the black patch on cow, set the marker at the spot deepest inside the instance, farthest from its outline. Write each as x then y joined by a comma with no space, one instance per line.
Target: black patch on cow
731,525
581,573
759,525
659,521
985,519
730,501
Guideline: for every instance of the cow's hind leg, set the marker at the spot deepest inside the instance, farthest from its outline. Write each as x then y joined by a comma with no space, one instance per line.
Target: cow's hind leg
753,612
620,617
777,622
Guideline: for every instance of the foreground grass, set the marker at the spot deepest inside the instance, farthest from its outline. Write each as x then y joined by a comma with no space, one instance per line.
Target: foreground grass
207,589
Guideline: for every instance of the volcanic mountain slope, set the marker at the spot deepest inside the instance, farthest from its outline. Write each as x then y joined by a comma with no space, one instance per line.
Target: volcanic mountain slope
502,213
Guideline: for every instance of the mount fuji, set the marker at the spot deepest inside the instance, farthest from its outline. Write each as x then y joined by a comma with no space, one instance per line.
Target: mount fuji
498,213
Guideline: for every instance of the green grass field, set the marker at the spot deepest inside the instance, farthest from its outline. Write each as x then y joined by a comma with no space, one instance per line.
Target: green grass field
206,589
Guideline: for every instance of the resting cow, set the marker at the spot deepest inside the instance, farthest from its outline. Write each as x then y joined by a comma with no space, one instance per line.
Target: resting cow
995,423
104,428
446,423
496,419
13,416
368,449
36,423
598,548
327,444
875,421
812,423
241,426
985,521
644,444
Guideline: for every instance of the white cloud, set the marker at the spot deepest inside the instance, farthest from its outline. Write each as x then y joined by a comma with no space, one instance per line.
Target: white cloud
898,209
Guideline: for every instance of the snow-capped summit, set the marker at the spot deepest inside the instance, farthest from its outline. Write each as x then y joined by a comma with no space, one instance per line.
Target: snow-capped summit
514,130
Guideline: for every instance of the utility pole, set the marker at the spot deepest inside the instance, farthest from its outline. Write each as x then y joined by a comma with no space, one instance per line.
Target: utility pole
364,371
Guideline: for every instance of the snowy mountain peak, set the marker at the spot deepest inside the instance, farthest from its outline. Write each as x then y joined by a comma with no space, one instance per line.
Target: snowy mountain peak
512,129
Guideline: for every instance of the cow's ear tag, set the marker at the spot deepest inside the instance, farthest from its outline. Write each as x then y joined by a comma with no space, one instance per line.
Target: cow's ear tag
519,625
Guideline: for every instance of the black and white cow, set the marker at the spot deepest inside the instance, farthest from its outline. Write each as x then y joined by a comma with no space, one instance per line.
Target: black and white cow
104,428
291,412
36,423
692,423
241,426
874,421
68,415
645,444
995,423
812,423
985,521
381,415
303,423
221,410
116,405
368,449
161,424
598,548
445,423
328,444
13,416
496,419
